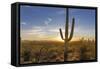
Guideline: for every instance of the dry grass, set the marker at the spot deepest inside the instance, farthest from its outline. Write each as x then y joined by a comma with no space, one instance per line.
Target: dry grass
53,51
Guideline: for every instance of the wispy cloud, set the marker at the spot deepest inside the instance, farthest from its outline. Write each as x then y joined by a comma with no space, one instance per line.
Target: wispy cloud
39,33
48,20
23,23
35,33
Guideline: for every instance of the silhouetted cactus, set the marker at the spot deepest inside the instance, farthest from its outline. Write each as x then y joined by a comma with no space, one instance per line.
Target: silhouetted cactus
67,39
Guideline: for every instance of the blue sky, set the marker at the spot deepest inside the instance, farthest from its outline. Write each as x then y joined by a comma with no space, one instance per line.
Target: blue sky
43,23
84,22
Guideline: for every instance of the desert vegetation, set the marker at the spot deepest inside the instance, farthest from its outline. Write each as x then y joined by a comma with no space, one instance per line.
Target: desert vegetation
41,51
53,51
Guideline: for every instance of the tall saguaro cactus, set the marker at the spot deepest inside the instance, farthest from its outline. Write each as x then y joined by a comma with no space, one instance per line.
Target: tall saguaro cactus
67,37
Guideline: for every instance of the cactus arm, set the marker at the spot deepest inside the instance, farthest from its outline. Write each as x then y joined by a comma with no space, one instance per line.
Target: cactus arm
72,30
61,34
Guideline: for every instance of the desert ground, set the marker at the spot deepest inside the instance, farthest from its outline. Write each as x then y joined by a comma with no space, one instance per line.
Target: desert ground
53,51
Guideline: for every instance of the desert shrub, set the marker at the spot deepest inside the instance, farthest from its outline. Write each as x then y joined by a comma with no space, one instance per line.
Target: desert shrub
26,55
87,50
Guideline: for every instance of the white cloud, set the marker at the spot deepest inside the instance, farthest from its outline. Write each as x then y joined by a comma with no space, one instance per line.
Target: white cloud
49,19
23,23
46,22
40,33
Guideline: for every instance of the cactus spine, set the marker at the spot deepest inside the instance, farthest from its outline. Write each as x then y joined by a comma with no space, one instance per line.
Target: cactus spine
67,39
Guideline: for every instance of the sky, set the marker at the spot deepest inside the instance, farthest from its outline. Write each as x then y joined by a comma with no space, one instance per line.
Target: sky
43,23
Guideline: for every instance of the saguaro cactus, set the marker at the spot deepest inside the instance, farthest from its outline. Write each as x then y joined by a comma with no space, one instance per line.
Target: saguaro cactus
67,38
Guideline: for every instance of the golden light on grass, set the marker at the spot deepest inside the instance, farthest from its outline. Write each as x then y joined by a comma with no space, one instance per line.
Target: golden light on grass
58,39
75,39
